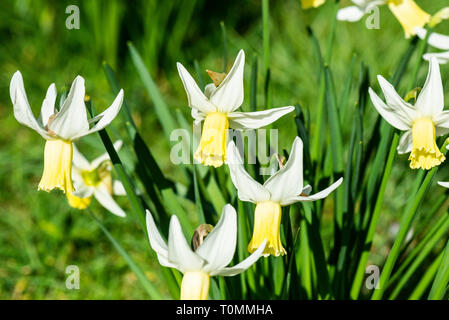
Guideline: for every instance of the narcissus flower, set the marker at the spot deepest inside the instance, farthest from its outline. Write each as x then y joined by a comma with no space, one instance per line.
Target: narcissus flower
95,179
217,107
59,128
283,188
209,259
408,13
307,4
422,122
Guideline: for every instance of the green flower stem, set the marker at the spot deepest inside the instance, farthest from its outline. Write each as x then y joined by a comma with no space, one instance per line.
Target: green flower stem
406,221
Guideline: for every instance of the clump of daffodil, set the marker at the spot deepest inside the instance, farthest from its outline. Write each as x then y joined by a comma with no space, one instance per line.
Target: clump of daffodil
283,188
217,107
422,122
407,12
307,4
94,179
209,257
59,128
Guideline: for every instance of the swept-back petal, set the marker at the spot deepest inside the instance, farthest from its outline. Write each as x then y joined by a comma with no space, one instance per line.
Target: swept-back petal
118,189
394,101
228,96
71,120
288,181
219,246
317,196
157,243
431,98
195,96
105,117
443,184
406,143
48,105
103,196
258,119
242,266
179,252
248,188
22,109
392,116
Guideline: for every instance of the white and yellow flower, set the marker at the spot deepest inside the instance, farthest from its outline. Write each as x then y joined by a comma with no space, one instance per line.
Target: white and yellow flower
217,107
422,122
283,188
59,128
94,179
407,12
209,259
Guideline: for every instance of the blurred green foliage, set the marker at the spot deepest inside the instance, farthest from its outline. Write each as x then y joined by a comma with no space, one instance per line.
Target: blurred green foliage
39,233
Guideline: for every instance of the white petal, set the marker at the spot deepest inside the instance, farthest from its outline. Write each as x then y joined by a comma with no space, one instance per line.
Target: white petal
157,243
105,156
81,190
288,181
436,40
316,196
392,116
242,266
101,193
218,247
351,14
395,102
105,117
71,120
442,57
406,143
248,188
118,189
179,252
431,98
442,120
443,184
79,160
229,94
48,105
22,109
195,97
255,120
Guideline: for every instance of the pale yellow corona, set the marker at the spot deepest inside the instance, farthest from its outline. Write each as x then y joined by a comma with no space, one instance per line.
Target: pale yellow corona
195,285
77,202
425,153
307,4
267,225
57,166
409,15
212,148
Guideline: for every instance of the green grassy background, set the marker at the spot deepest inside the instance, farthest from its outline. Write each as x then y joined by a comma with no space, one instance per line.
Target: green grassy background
39,233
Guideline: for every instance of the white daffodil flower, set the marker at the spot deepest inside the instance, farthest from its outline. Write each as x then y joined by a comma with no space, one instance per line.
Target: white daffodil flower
59,128
283,188
209,259
307,4
95,179
407,12
217,107
422,122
